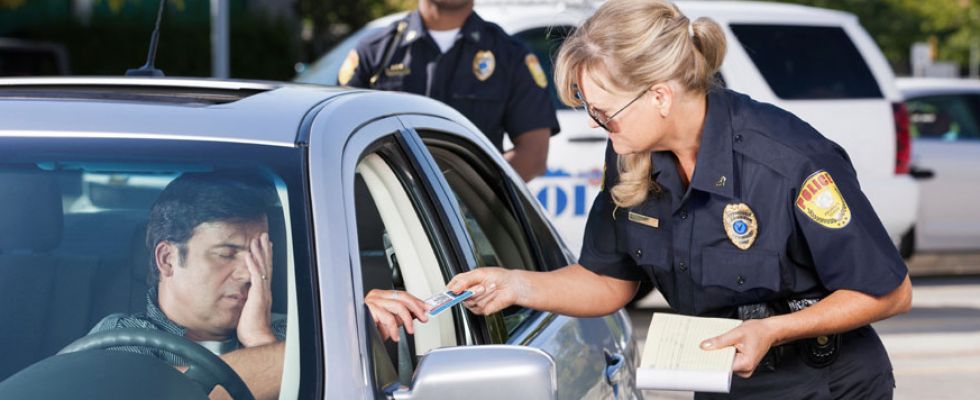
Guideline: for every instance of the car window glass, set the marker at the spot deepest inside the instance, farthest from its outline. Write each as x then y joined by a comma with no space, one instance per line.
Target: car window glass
808,62
396,252
947,117
498,230
544,43
73,239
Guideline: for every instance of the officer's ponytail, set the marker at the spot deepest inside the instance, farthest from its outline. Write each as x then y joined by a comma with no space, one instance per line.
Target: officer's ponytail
632,44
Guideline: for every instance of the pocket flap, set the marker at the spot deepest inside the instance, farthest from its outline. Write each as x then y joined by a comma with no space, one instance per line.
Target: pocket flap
740,270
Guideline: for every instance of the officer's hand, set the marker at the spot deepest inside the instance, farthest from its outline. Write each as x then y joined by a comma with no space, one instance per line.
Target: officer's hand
393,308
752,339
494,289
255,322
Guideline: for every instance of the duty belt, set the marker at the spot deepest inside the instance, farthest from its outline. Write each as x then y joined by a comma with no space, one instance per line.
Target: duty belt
817,352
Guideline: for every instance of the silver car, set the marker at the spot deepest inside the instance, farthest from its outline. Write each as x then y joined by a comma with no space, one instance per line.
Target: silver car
376,190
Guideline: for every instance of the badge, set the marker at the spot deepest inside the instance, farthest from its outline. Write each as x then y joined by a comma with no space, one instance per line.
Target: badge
821,200
483,64
347,69
536,71
645,220
740,225
397,70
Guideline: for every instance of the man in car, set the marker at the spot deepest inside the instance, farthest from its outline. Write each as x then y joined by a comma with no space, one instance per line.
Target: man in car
210,277
447,52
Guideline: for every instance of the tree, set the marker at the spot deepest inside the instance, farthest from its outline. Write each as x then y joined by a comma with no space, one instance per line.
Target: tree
329,21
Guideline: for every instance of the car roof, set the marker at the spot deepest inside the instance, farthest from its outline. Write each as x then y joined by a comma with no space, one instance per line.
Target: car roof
201,109
917,87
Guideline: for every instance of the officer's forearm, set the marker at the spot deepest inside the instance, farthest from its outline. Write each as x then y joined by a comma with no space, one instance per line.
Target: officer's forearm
529,157
576,291
841,311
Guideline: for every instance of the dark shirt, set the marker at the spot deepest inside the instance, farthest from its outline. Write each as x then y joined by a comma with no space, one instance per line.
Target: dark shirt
154,318
489,77
816,231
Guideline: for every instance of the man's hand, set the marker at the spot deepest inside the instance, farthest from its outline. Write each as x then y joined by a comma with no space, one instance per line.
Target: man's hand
494,289
752,339
255,323
394,308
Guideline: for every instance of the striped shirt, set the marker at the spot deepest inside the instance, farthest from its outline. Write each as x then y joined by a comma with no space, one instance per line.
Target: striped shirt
154,318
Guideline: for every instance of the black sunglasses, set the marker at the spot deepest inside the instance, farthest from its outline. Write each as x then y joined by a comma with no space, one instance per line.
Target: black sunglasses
600,118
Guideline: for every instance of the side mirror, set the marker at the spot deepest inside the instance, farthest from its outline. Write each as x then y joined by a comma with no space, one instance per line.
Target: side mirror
483,372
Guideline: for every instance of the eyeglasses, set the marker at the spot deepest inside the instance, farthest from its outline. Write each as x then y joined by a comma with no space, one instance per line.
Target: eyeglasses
600,118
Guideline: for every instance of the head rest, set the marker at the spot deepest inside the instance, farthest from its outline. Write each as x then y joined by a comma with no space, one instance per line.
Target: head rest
31,217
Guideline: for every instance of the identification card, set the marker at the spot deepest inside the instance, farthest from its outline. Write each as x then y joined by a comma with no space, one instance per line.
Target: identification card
443,300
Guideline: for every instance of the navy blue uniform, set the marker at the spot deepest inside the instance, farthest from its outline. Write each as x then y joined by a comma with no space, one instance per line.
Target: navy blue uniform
487,76
810,231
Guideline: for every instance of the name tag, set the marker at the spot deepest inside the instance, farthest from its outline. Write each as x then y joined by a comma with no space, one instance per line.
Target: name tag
645,220
397,70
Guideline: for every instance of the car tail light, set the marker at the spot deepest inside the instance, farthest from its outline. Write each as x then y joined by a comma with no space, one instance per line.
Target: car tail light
903,149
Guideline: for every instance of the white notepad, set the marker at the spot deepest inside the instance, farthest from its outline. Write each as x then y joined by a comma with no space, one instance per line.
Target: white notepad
673,358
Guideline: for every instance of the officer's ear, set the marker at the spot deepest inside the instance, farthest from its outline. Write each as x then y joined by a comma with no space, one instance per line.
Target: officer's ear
662,96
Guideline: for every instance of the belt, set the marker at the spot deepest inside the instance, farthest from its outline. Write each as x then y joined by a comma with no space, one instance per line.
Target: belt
817,352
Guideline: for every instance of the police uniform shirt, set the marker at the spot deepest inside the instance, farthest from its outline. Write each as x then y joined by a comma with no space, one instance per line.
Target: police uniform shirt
489,77
764,180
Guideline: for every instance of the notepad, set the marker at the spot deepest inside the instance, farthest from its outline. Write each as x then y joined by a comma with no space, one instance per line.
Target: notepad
673,358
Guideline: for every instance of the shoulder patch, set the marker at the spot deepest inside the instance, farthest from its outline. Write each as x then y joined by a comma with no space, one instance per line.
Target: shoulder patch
348,67
536,71
821,201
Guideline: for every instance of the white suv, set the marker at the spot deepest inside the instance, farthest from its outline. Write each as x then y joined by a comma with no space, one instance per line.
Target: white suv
819,64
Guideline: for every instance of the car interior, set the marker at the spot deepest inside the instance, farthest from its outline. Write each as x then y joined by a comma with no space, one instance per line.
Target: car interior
72,251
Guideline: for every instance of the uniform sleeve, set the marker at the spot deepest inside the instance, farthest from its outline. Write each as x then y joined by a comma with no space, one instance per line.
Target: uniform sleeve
355,71
529,104
850,247
602,249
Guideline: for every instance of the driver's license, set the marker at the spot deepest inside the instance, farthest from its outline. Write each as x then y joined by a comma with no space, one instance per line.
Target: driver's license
443,300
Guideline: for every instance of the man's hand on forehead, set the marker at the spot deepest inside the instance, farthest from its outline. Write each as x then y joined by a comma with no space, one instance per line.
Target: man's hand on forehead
255,323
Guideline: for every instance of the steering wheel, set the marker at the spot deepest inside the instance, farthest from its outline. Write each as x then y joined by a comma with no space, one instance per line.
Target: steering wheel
205,367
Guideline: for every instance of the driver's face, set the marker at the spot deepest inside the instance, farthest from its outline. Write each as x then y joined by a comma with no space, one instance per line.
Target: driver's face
209,286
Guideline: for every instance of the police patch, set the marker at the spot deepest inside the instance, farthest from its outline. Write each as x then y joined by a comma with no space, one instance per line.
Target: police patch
740,225
347,69
821,201
484,64
536,71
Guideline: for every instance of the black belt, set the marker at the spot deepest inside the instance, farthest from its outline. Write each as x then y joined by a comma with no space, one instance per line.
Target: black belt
817,352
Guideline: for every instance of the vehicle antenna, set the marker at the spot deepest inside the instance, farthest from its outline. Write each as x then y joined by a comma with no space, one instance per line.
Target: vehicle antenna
148,69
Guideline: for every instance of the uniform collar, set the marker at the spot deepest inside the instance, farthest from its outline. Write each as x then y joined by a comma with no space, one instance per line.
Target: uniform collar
713,172
471,29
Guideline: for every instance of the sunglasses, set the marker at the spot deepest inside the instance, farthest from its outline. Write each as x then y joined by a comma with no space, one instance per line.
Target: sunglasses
599,117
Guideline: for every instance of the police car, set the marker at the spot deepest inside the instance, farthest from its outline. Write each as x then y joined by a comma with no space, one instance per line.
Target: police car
819,64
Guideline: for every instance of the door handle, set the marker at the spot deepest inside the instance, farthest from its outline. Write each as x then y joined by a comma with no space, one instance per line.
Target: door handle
614,368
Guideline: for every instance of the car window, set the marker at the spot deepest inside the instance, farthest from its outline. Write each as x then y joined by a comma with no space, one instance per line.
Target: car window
808,62
398,251
544,43
496,219
947,117
73,237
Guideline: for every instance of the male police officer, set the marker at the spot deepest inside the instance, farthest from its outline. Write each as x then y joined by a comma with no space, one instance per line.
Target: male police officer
445,51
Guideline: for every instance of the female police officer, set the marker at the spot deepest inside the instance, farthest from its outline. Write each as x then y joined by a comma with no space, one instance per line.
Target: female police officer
733,208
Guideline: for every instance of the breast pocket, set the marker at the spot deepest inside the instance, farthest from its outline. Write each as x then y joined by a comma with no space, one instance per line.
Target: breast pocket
733,277
483,103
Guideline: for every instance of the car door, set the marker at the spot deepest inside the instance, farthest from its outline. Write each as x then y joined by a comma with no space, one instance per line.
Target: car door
946,134
503,226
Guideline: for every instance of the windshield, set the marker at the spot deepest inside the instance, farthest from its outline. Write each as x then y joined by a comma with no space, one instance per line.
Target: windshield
80,247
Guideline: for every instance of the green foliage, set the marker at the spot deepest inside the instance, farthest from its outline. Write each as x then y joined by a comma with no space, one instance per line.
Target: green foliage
897,24
331,20
260,48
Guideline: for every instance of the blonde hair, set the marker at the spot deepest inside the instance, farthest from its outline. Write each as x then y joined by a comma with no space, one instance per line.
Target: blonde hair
639,43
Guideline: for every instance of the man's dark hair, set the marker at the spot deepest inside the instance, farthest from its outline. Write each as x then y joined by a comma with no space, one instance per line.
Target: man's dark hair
195,198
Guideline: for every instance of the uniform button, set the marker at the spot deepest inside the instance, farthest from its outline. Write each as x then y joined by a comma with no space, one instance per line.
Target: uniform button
740,281
683,214
738,138
823,340
639,253
683,266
